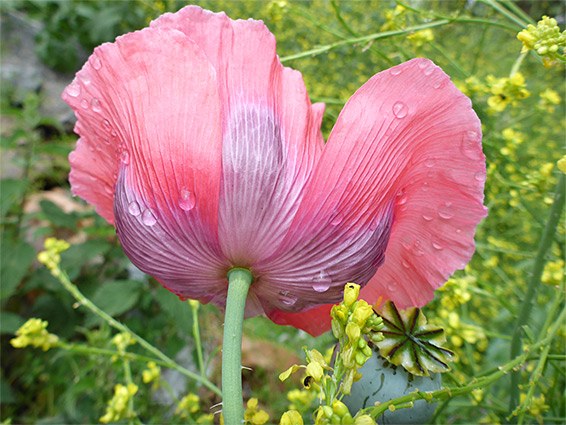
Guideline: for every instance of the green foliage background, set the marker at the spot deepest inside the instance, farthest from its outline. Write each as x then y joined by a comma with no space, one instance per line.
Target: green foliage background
478,307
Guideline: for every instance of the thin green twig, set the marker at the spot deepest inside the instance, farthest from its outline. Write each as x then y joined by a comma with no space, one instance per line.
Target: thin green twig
165,360
546,241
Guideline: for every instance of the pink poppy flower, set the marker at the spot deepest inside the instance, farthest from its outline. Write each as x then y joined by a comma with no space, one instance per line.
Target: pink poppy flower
206,154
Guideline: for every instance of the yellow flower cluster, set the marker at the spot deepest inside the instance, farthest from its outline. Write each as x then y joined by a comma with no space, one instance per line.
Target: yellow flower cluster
553,272
548,100
506,91
562,164
34,332
51,257
254,416
394,19
459,289
277,9
421,37
546,40
151,374
122,341
301,400
537,406
338,413
352,319
117,408
188,404
471,86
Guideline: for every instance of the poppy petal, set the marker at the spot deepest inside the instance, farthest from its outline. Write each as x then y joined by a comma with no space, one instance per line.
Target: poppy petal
410,142
271,131
158,114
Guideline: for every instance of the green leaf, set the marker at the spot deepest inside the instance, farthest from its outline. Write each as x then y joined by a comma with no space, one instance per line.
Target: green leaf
412,343
10,322
116,297
77,255
11,191
57,216
16,258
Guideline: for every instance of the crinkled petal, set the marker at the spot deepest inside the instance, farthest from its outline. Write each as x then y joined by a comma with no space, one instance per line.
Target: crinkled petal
150,102
271,131
409,140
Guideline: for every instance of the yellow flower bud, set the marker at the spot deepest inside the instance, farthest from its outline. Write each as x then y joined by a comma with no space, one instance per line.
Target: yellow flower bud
351,293
291,417
315,370
364,420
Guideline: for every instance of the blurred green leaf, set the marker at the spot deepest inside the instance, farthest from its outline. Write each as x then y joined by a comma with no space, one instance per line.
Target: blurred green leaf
10,322
6,393
57,216
77,255
115,297
16,257
11,191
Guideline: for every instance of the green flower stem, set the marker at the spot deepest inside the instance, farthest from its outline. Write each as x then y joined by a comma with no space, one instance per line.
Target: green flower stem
196,336
505,12
525,311
476,383
239,281
164,359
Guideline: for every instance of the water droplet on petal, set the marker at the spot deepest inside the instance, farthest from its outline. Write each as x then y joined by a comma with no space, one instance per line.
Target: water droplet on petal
106,124
480,176
425,187
125,157
392,286
134,208
396,70
428,213
405,264
458,230
429,162
148,218
446,211
108,189
336,219
373,225
286,298
187,200
113,132
74,89
95,62
436,244
95,103
84,104
321,282
427,67
470,146
84,77
400,110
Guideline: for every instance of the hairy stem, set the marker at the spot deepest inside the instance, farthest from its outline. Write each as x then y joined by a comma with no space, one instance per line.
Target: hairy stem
239,281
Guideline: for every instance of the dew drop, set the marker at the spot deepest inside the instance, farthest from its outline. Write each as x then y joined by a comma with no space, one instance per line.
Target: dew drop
95,103
458,231
405,264
406,244
84,77
125,157
74,89
470,145
134,208
396,70
428,69
436,244
286,298
95,62
428,214
106,124
84,104
392,286
446,211
480,176
113,132
400,110
321,282
425,187
108,189
336,219
148,218
429,162
187,200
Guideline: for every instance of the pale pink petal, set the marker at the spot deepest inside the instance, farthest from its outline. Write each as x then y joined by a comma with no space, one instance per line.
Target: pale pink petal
404,161
149,117
271,131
